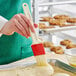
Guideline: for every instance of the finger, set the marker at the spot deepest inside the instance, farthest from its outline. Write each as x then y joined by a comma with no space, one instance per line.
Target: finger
35,25
16,29
9,33
22,22
5,32
19,29
7,29
28,22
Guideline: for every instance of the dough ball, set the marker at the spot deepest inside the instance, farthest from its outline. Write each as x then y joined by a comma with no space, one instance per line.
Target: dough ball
8,73
44,70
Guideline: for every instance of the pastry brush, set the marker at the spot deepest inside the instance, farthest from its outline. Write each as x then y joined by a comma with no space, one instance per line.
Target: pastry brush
37,47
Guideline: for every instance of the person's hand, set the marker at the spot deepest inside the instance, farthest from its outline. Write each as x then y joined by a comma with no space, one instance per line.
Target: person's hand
20,24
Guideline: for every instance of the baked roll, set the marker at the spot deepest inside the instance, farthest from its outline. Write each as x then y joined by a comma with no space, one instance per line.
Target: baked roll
48,44
71,20
43,26
67,25
57,22
70,46
65,42
57,49
46,19
61,17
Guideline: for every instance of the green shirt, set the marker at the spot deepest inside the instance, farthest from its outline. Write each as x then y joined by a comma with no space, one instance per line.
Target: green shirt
13,47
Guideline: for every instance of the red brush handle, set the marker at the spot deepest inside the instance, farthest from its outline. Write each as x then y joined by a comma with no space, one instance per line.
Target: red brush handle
38,49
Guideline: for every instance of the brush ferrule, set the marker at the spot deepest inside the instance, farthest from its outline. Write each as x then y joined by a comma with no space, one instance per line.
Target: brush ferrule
38,49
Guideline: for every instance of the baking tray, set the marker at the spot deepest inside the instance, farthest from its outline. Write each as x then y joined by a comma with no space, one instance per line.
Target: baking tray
55,62
59,29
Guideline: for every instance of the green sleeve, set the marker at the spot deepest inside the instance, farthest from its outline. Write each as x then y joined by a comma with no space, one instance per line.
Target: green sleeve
12,7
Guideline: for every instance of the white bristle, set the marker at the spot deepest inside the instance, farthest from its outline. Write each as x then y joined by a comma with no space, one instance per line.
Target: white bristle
41,60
